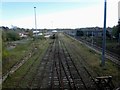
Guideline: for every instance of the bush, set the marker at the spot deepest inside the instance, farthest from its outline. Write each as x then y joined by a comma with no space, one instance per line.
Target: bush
10,35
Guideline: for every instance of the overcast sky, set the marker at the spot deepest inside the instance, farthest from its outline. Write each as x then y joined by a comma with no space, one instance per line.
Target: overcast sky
62,14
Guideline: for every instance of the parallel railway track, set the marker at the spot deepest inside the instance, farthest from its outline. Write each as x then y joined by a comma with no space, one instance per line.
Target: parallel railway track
58,70
112,56
64,73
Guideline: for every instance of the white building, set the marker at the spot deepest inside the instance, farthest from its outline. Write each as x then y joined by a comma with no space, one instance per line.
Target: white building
38,33
23,35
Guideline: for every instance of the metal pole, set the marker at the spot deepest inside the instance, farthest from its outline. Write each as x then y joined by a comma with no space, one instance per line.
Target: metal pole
104,35
35,21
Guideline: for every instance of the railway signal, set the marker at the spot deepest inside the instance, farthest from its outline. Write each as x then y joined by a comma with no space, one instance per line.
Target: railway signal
104,35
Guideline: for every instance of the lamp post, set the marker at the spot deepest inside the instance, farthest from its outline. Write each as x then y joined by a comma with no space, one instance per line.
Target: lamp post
35,21
104,35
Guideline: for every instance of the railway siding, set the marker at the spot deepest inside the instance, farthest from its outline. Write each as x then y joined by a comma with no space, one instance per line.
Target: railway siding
91,60
19,78
63,66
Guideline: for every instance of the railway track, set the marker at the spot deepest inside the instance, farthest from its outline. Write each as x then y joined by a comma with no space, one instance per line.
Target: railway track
18,64
91,83
20,84
74,73
112,56
41,71
86,78
60,71
57,70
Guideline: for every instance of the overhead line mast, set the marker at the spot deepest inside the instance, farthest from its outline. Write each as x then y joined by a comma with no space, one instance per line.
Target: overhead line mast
104,35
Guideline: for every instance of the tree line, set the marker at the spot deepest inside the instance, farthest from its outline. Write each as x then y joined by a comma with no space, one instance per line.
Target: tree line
13,34
116,30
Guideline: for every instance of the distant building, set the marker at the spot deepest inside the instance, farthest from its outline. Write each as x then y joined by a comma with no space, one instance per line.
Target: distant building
95,31
23,35
37,33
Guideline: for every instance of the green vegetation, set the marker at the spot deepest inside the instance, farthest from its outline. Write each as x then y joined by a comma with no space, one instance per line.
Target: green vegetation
14,48
10,35
11,57
111,44
91,60
25,74
30,33
79,33
116,30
